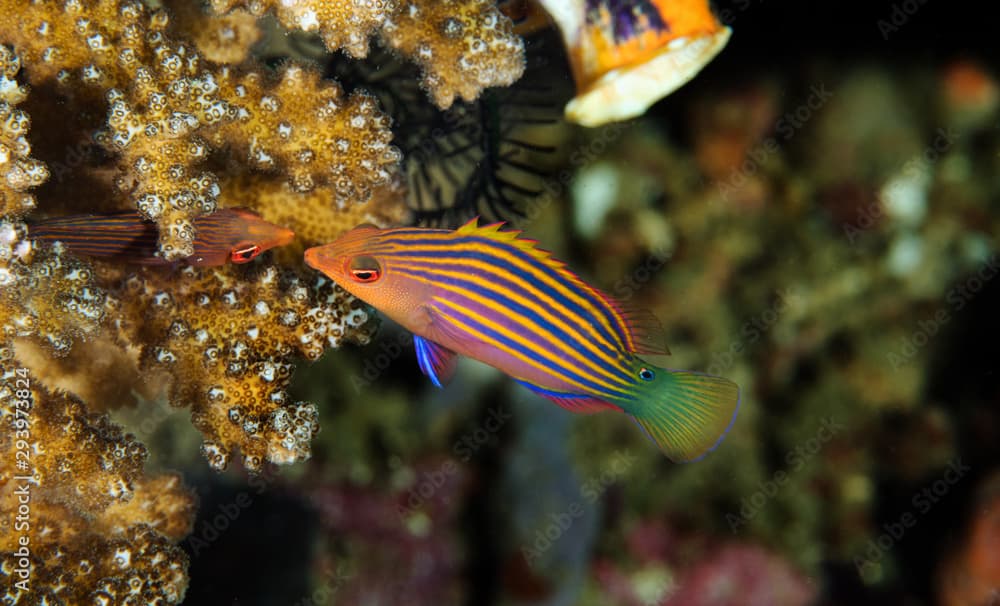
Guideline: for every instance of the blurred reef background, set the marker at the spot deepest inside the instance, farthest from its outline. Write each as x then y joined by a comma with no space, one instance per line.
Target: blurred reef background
816,215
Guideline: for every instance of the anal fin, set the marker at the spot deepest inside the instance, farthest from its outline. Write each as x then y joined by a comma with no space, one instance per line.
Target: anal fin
580,404
436,361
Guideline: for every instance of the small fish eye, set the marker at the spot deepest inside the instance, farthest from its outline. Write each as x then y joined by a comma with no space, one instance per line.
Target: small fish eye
646,374
365,269
244,253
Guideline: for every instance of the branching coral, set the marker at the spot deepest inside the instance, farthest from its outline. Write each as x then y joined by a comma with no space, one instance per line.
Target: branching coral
312,132
73,44
164,109
18,171
227,336
167,112
343,25
158,95
160,151
160,501
46,294
462,46
219,38
490,157
174,123
96,370
93,527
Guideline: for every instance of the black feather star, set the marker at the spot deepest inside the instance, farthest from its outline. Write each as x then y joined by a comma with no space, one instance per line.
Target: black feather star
488,158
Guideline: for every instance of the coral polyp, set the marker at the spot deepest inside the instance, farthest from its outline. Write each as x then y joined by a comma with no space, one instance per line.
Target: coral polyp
343,25
48,295
19,172
310,131
462,46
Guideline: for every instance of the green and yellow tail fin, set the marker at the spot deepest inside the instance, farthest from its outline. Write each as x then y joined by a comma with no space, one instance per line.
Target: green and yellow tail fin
688,414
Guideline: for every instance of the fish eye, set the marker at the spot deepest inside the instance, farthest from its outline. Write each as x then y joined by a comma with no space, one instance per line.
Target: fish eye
646,374
243,252
365,269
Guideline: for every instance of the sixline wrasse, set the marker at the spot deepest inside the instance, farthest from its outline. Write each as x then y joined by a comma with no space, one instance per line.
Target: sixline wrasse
227,235
489,295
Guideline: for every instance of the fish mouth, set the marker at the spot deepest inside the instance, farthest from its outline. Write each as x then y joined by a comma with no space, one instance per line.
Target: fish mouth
320,258
311,257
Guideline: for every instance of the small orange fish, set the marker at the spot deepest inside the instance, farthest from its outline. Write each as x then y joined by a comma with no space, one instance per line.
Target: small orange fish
233,235
489,295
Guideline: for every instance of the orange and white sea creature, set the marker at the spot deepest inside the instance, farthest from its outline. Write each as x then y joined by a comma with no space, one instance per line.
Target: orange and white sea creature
628,54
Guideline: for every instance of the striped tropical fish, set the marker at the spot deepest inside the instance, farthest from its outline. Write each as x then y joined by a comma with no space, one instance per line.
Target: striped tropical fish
227,235
492,296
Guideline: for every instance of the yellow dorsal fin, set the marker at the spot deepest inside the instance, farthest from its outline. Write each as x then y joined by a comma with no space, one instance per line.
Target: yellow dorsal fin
492,231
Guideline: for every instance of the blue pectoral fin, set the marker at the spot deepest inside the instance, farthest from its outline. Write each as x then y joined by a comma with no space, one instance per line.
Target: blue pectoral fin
572,402
437,362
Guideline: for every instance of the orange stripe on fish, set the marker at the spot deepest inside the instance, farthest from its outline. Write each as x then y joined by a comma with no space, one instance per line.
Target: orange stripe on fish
482,328
568,285
575,347
589,332
495,297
